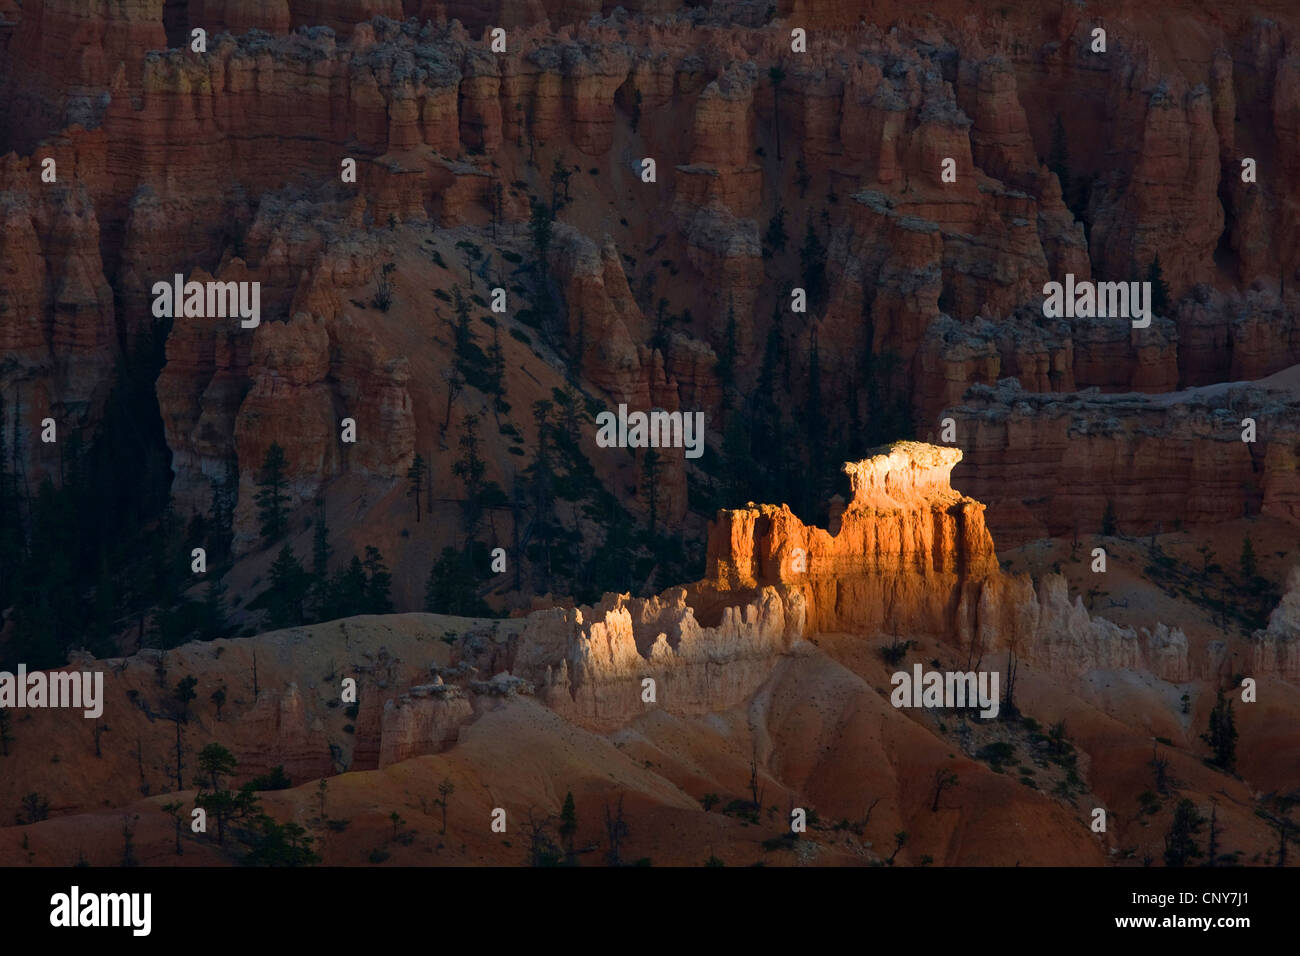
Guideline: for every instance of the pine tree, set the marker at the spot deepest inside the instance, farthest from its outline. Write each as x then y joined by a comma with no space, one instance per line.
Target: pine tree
569,828
1180,842
379,583
777,76
541,491
812,260
415,479
215,624
272,500
539,231
775,237
320,544
288,591
462,334
497,372
452,588
182,694
1108,526
348,591
1222,735
560,175
225,492
319,587
470,469
1159,290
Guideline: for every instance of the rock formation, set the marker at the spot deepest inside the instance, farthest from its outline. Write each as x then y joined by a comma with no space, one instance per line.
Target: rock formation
590,663
1048,464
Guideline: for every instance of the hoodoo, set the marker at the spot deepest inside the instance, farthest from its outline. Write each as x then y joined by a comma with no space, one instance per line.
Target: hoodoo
904,553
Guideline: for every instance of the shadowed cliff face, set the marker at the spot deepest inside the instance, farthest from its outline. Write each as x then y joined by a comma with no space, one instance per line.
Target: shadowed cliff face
177,152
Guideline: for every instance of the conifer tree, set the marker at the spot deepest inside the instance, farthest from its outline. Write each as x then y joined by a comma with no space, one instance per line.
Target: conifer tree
1222,735
320,543
272,500
470,469
452,588
1180,842
812,260
348,591
415,482
1159,289
215,624
288,592
379,583
569,828
777,76
775,237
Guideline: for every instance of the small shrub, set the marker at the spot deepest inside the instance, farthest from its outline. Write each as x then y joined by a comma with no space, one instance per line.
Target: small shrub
277,779
785,841
996,754
896,651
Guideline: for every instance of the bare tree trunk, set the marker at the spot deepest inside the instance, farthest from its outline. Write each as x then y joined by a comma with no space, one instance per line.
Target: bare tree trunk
179,757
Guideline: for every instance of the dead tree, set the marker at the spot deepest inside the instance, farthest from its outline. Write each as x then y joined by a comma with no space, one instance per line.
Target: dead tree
180,756
943,780
867,819
174,811
1212,851
1159,766
900,841
616,830
542,850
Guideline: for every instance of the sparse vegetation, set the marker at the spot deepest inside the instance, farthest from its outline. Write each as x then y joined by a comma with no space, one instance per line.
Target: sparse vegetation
894,652
1222,734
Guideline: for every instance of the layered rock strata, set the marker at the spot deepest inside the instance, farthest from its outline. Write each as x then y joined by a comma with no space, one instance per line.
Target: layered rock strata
1047,465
